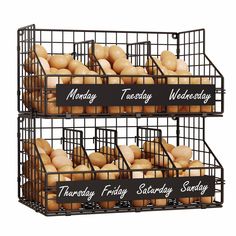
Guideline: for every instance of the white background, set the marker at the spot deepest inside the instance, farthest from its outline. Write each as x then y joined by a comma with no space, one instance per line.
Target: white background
217,17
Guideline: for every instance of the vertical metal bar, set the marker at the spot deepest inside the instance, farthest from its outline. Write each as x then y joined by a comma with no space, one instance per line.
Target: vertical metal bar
96,138
19,155
126,130
18,71
137,135
178,46
204,40
194,44
222,185
63,139
203,126
177,131
81,139
199,52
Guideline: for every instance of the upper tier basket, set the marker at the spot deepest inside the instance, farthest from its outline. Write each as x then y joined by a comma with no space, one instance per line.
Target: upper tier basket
153,90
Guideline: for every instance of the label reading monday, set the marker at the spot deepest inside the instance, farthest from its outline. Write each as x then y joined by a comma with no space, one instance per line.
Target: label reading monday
123,189
114,95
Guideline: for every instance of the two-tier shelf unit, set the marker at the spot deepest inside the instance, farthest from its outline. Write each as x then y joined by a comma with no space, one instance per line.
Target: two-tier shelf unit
45,112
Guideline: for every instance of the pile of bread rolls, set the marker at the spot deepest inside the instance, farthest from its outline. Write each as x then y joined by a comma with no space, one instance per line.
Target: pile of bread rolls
168,64
61,69
111,59
53,161
151,162
108,163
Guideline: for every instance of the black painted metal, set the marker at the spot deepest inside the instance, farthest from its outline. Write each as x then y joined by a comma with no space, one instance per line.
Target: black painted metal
189,45
94,131
191,132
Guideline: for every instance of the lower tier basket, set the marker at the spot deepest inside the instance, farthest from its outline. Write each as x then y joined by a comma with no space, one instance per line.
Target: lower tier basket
92,171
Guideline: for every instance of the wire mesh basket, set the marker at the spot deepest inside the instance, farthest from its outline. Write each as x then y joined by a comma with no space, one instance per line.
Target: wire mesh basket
49,190
94,137
44,93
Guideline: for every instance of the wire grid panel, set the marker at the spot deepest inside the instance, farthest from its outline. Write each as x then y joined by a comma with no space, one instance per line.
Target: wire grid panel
72,143
191,133
25,132
36,95
101,132
61,41
191,129
138,53
51,129
30,165
192,50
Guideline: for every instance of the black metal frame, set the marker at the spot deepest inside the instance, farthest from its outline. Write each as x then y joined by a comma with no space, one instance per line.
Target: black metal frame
93,131
189,45
100,132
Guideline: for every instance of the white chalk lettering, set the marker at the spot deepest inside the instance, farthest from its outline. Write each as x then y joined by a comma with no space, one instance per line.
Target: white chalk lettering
195,188
176,95
136,96
74,95
116,191
65,192
150,190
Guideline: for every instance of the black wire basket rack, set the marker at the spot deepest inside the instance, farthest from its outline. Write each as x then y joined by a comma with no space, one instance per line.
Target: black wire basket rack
76,130
35,93
43,191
